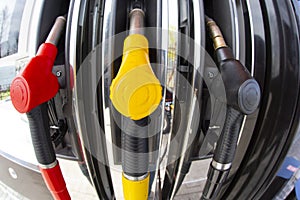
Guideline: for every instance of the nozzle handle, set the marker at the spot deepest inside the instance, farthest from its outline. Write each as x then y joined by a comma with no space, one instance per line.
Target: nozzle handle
40,134
242,90
227,143
36,84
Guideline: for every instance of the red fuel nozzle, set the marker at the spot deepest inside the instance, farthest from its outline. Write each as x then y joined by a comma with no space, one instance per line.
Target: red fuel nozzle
29,90
36,84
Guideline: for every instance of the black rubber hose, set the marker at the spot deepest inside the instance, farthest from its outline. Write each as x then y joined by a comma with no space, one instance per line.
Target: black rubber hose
135,158
40,134
227,142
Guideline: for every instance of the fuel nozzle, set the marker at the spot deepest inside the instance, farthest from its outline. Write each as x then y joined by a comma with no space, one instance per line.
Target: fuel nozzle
36,84
135,92
242,90
243,97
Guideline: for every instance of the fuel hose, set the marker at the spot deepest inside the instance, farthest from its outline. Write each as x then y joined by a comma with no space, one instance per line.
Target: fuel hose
135,147
135,159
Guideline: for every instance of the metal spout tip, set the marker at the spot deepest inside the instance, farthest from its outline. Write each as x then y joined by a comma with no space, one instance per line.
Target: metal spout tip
56,30
215,33
136,21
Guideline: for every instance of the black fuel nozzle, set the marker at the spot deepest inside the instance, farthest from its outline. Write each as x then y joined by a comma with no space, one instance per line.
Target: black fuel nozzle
242,90
243,97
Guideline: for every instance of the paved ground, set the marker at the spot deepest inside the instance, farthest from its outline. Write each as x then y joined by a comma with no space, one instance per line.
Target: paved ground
194,182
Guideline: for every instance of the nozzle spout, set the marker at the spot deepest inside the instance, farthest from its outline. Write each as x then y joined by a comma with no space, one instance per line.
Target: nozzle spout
56,30
136,21
215,33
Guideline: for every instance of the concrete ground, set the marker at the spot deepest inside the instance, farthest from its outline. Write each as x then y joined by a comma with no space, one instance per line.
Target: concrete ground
194,182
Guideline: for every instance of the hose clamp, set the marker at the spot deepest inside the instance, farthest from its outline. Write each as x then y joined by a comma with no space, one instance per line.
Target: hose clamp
48,166
133,178
220,166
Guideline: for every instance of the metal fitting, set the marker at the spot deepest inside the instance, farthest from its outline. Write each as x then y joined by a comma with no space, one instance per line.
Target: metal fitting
220,166
215,33
48,166
56,30
136,21
133,178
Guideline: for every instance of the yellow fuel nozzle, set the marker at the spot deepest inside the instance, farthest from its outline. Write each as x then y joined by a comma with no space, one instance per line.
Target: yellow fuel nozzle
135,92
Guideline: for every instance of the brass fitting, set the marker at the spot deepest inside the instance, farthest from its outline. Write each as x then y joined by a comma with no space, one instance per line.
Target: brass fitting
215,33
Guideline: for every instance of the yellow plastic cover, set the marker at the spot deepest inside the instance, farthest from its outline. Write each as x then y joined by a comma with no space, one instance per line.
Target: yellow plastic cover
135,92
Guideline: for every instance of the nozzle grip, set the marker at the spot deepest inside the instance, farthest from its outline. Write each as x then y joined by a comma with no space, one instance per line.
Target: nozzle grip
135,92
226,145
40,134
242,90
